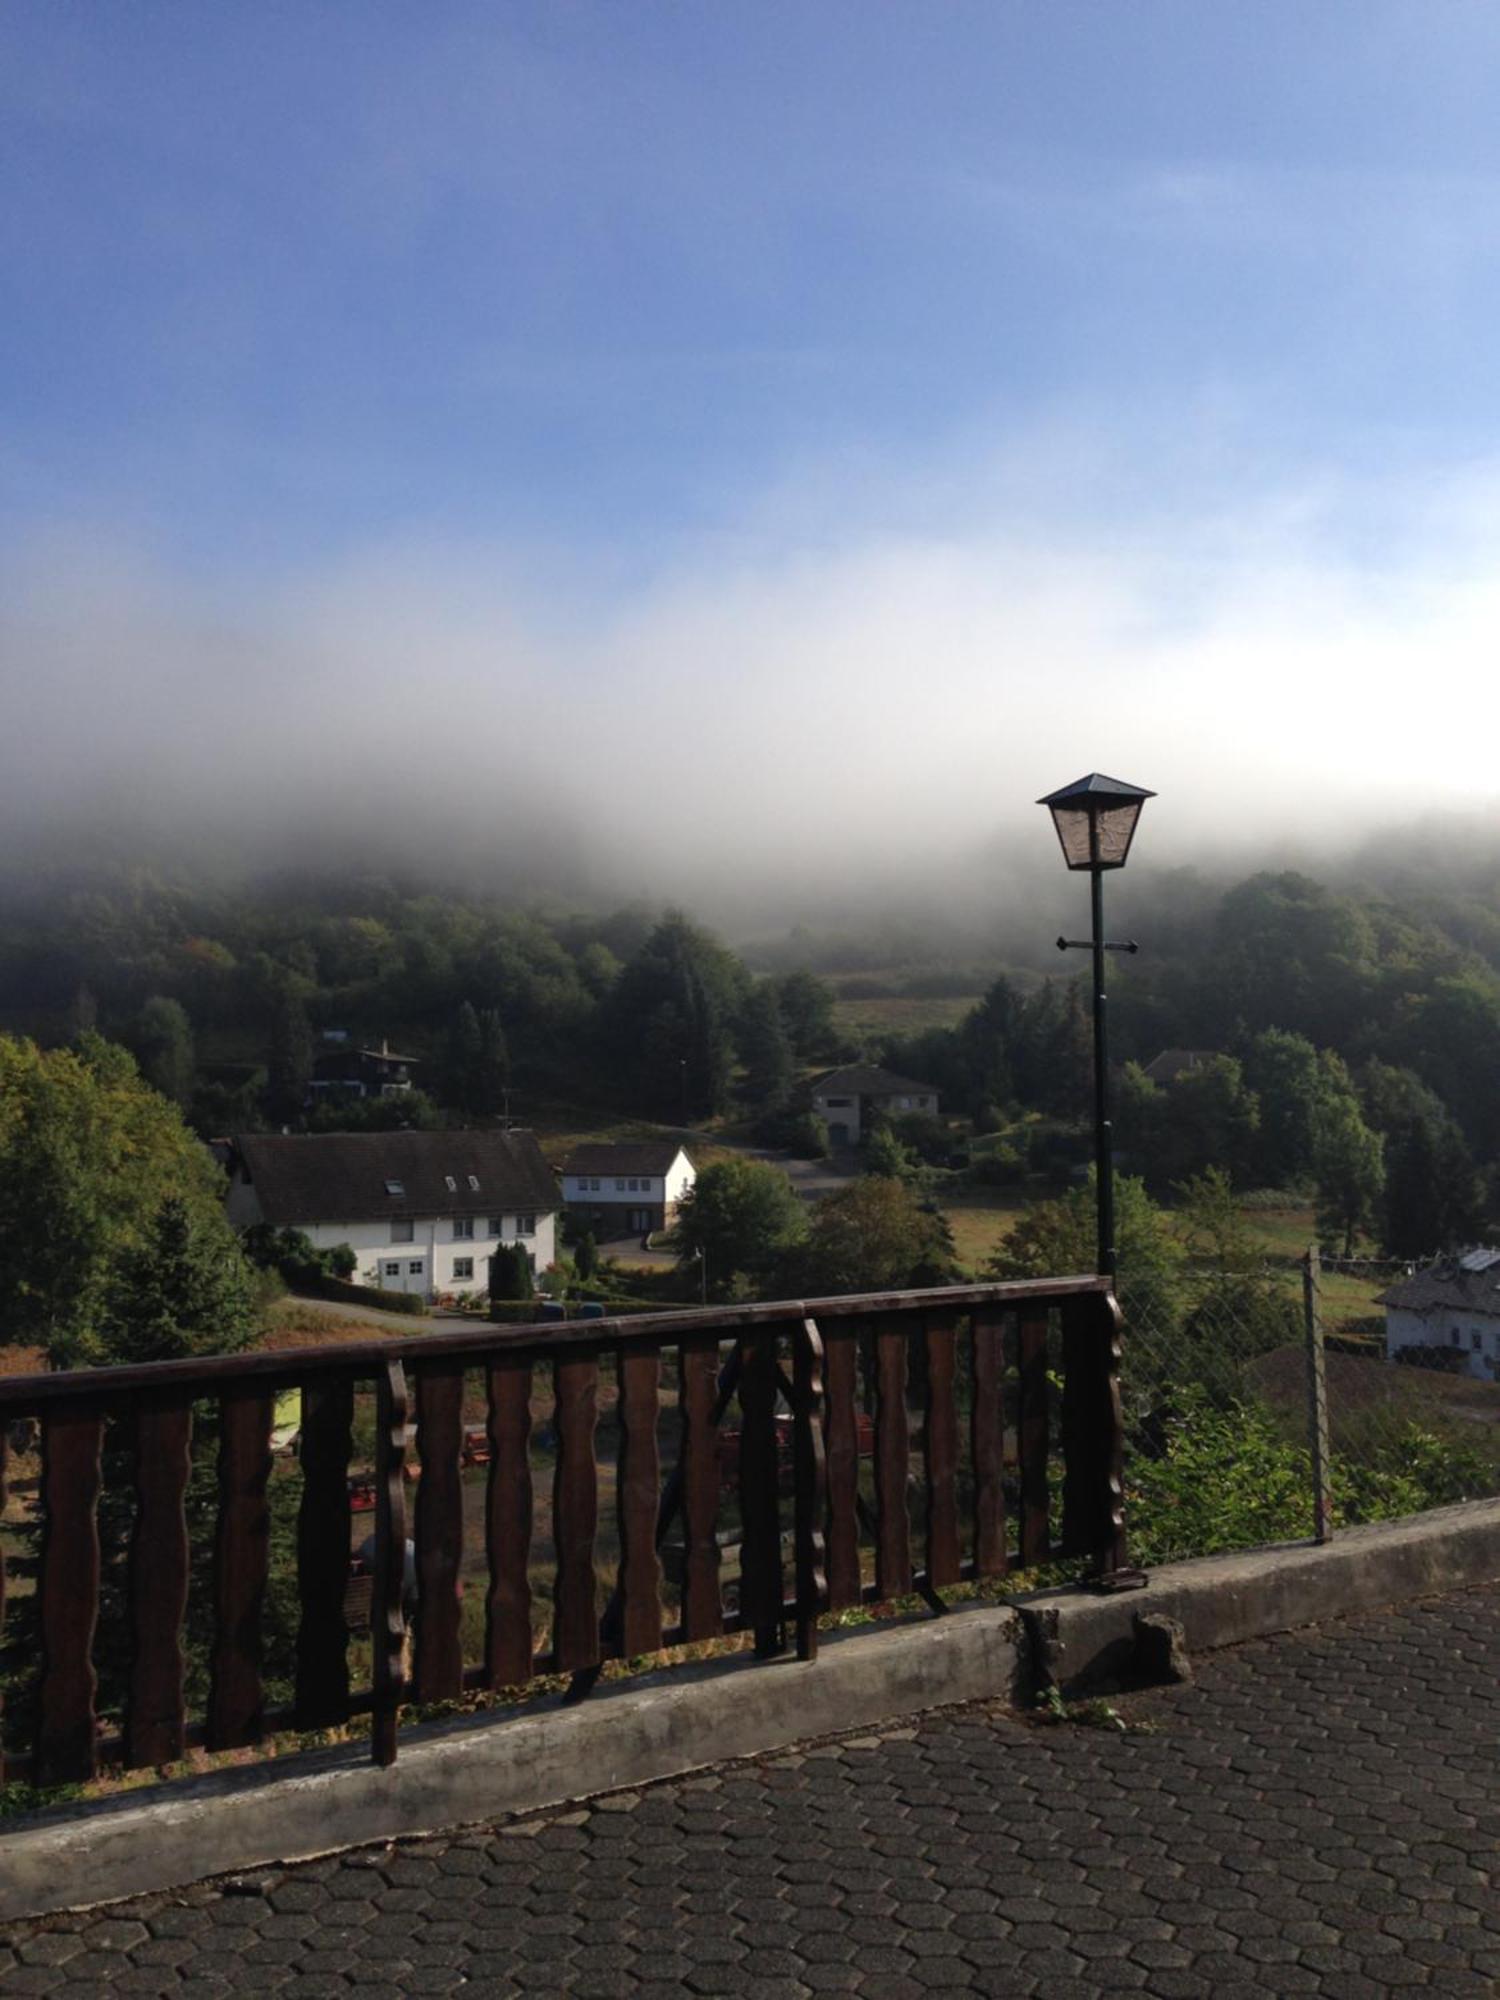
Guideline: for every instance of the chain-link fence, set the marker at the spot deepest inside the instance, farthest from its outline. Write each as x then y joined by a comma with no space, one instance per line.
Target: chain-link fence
1263,1406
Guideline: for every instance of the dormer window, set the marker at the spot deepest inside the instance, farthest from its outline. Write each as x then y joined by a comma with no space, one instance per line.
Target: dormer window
395,1187
474,1183
452,1184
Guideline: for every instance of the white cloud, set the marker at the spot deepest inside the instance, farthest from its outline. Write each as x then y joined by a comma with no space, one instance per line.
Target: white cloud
878,703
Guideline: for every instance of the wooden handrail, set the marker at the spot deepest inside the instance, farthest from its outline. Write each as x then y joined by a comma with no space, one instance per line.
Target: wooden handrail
213,1374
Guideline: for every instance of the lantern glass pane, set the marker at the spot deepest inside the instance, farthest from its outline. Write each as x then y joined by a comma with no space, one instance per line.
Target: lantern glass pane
1116,828
1072,823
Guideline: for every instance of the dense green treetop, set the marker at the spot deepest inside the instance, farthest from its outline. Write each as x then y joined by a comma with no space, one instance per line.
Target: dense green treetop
98,1177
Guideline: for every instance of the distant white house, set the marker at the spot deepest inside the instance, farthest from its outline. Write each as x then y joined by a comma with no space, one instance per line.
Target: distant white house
626,1189
1174,1063
1454,1304
422,1211
847,1099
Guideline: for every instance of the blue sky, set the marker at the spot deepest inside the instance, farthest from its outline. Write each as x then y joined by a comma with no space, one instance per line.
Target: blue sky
535,332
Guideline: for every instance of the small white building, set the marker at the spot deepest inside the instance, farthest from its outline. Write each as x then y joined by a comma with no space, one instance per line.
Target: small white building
629,1189
422,1211
1454,1305
847,1099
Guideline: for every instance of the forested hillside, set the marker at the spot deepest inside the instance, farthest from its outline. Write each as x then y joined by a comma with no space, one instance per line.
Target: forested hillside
1341,1037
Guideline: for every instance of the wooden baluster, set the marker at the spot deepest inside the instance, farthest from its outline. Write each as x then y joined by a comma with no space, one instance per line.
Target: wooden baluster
841,1372
72,1442
761,1582
638,1483
438,1673
388,1596
987,1443
575,1513
241,1559
1033,1426
702,1602
940,1453
323,1451
811,1485
4,1450
892,1461
508,1511
155,1712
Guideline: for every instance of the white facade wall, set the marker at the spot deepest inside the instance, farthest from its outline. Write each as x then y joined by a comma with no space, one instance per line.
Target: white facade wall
839,1110
681,1178
429,1262
1475,1335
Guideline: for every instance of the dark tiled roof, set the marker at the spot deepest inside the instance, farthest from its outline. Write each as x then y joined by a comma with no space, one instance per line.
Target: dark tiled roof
864,1080
341,1176
630,1156
1448,1284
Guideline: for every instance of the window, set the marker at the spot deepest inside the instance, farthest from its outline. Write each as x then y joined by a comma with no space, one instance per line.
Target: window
1456,1341
593,1187
463,1229
451,1183
415,1267
403,1232
474,1183
1476,1341
393,1270
620,1186
634,1187
494,1225
526,1225
395,1187
838,1103
463,1267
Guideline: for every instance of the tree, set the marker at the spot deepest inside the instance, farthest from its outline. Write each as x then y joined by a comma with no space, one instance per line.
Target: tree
885,1156
492,1075
766,1050
1060,1238
742,1216
185,1289
290,1060
89,1154
873,1236
1293,1088
586,1256
1203,1119
665,1027
163,1045
462,1048
1434,1195
806,1004
511,1277
1349,1169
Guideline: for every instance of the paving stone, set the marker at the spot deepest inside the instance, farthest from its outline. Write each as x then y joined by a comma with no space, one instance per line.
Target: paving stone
1318,1813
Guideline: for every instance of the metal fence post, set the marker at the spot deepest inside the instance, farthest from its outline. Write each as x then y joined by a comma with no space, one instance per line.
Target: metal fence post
1317,1396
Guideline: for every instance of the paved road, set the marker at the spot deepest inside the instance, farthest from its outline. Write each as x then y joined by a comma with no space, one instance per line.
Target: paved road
1320,1814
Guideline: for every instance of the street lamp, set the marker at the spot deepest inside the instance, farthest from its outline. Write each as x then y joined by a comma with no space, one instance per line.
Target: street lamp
1096,820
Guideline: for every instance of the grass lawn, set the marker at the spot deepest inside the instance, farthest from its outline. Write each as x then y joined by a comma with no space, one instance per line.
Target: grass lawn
981,1219
904,1015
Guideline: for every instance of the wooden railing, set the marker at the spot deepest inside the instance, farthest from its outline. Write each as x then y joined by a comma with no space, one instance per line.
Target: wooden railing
804,1415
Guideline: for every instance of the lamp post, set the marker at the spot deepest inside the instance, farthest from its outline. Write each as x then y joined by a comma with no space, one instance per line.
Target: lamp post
1096,820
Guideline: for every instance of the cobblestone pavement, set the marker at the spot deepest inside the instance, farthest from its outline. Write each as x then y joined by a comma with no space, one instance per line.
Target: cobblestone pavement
1319,1814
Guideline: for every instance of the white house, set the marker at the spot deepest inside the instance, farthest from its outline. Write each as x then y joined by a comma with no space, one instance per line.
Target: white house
847,1099
422,1211
1455,1305
628,1189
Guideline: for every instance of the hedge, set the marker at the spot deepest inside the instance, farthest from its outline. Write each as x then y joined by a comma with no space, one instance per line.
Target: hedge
315,1285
